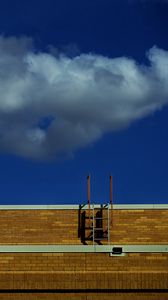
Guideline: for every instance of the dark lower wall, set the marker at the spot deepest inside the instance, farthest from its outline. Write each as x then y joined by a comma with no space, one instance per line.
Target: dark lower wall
83,271
83,280
85,296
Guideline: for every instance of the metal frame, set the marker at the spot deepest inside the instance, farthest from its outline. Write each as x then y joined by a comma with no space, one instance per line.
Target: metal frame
108,221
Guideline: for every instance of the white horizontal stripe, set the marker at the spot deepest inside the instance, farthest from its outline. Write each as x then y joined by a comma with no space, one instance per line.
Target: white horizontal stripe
75,206
83,248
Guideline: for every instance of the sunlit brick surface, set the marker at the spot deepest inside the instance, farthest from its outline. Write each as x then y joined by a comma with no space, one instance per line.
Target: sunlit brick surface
61,227
94,275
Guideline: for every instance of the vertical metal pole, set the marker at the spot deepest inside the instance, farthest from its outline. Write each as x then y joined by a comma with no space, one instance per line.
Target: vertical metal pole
93,225
88,190
88,194
111,190
108,223
111,197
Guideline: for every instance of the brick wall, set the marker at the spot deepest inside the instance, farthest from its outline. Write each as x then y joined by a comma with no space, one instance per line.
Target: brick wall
84,296
90,276
61,227
84,262
95,272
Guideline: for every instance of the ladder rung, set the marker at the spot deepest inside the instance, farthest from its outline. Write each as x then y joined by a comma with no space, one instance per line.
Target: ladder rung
95,228
101,218
98,228
101,238
96,218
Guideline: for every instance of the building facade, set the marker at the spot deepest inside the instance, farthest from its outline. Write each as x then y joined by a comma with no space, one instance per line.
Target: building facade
71,251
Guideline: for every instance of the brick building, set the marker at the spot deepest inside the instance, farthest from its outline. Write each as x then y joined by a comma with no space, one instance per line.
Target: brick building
69,251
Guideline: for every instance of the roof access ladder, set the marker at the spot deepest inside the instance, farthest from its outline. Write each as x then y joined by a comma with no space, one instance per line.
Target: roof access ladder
101,224
95,220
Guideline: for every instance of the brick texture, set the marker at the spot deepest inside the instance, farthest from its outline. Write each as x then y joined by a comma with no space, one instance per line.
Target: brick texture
90,275
84,296
61,227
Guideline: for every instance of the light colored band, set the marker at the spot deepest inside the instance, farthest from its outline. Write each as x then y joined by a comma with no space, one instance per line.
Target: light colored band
84,248
71,206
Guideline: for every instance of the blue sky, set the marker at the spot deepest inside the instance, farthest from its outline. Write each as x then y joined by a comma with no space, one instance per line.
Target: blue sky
83,90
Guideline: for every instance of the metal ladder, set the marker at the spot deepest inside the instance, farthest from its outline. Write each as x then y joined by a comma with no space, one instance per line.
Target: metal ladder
97,229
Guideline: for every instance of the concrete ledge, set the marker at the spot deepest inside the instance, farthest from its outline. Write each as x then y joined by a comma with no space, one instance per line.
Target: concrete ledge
75,206
83,248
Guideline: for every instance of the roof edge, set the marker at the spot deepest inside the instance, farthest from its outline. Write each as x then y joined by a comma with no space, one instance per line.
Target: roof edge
77,206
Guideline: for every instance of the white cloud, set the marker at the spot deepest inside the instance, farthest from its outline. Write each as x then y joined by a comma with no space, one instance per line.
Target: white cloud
51,106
